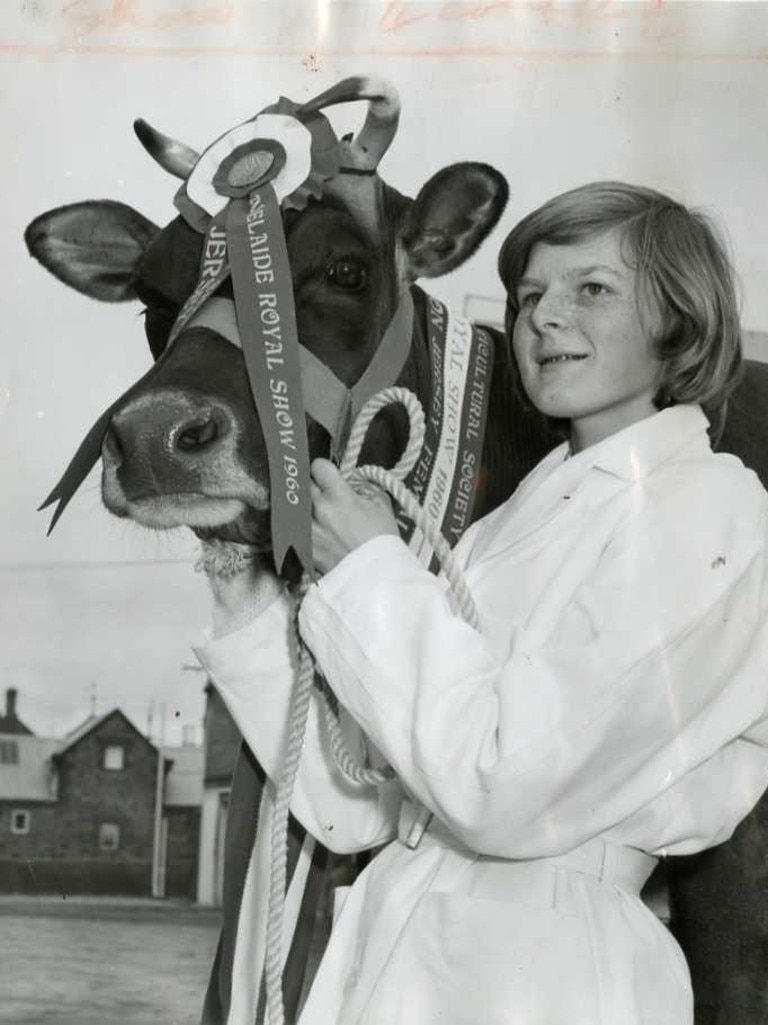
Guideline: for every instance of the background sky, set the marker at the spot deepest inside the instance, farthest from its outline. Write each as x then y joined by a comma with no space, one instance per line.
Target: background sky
670,95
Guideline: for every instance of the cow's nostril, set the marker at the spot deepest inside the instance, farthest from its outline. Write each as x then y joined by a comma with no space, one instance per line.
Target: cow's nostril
197,436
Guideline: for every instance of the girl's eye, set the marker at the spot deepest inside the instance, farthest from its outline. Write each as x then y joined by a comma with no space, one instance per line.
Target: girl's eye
529,300
594,288
348,274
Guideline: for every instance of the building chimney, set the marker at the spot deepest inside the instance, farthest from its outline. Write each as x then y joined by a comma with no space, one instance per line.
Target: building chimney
10,703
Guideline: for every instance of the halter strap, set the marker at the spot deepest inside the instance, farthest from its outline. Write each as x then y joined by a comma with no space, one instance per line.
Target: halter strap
327,399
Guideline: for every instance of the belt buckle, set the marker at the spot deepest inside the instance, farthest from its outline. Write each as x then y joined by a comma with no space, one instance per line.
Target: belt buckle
414,819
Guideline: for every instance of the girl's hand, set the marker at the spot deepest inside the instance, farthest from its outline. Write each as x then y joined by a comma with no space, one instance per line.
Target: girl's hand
342,519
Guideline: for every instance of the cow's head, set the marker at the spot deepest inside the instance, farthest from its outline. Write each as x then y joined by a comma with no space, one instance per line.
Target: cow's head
184,445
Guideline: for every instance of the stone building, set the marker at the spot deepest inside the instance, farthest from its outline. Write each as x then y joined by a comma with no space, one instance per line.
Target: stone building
100,812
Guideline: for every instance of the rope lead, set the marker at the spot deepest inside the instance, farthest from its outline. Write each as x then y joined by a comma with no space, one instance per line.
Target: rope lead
391,481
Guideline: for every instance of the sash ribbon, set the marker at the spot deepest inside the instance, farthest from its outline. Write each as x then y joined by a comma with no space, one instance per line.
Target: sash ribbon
266,315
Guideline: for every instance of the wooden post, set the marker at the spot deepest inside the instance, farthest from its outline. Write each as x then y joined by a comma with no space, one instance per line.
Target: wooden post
158,873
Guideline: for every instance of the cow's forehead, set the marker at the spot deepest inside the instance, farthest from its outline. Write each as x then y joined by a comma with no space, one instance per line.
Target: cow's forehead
370,211
365,199
330,223
327,229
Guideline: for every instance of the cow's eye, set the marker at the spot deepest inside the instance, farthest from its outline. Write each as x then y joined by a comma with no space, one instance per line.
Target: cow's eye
349,274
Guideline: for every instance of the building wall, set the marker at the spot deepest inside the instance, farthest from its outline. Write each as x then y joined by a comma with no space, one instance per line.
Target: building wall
61,852
24,859
213,821
181,852
222,743
756,345
90,795
222,740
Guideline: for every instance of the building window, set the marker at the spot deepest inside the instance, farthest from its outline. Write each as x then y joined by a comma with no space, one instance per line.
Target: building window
20,821
109,836
9,752
114,757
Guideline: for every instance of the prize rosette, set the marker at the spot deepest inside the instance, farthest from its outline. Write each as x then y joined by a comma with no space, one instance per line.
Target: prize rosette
272,148
235,194
294,152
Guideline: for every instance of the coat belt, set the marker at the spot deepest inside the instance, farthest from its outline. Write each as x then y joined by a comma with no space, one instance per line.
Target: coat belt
609,863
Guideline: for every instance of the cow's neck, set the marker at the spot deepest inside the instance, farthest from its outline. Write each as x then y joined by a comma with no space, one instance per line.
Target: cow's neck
517,436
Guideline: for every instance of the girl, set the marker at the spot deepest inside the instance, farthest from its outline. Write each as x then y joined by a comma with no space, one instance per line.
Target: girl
612,709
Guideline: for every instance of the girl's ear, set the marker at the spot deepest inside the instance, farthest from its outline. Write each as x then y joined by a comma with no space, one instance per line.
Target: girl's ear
454,212
95,247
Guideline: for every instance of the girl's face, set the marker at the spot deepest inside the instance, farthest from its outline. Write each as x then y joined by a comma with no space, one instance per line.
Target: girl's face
583,337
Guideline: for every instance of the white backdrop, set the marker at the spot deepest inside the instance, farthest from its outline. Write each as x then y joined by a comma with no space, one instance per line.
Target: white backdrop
670,95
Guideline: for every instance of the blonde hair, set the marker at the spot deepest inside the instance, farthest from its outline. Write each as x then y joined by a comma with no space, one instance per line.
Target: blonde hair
682,257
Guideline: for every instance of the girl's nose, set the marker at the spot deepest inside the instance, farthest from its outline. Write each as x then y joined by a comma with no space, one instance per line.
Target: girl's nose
550,311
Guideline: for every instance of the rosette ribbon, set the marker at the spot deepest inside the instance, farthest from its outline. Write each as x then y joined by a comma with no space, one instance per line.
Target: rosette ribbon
239,183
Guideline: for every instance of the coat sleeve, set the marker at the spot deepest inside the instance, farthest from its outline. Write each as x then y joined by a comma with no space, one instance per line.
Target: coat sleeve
654,667
254,670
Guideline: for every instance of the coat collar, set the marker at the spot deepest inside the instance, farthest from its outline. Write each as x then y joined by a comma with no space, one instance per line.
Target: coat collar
626,457
636,451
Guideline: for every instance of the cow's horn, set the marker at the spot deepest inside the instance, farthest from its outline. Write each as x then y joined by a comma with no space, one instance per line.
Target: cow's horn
174,157
373,139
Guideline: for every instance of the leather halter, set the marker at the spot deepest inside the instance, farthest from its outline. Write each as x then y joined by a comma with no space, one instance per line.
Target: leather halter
327,399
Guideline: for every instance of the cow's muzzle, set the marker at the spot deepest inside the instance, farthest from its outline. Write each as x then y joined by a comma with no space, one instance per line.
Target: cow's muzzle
172,459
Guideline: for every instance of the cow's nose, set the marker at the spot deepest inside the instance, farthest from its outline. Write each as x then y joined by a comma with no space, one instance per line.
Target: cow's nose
171,430
164,446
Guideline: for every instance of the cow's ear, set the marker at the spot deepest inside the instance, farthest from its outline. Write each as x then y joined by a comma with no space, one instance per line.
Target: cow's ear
95,247
451,216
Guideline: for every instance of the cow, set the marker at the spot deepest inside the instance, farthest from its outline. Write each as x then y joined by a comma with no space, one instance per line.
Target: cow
184,447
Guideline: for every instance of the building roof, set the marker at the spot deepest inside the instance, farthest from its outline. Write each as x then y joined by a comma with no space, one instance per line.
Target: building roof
80,731
184,782
93,722
9,721
13,725
30,778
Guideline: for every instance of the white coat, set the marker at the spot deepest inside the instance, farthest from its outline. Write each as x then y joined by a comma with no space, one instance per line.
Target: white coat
612,708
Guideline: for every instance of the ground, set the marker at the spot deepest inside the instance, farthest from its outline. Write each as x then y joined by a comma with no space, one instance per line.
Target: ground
104,962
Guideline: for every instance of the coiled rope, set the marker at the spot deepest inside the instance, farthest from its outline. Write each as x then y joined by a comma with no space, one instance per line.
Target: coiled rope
392,482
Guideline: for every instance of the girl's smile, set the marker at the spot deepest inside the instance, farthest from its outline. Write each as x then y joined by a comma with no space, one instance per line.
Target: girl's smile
583,338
